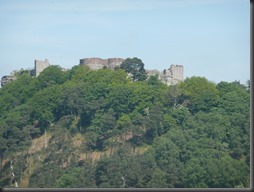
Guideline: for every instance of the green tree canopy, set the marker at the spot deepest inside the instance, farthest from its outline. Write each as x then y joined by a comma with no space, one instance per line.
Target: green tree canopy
135,67
203,94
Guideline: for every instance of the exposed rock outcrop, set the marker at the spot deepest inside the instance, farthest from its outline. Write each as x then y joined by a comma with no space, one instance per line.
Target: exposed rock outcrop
7,79
39,66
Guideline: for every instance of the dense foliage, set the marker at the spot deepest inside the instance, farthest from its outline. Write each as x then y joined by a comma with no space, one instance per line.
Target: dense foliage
103,129
135,67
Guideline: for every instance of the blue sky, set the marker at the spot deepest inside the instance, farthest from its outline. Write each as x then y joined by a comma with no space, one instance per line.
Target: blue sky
210,38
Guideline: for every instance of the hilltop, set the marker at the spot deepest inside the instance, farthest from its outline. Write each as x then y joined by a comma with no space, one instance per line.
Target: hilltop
170,76
104,128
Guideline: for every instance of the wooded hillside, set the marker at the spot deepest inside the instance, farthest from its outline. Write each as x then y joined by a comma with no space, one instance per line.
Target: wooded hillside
84,128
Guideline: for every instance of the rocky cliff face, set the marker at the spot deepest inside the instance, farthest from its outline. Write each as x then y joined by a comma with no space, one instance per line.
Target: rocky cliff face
7,79
39,66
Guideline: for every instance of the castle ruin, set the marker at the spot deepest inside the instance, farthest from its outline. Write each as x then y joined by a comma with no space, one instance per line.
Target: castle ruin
39,66
170,76
98,63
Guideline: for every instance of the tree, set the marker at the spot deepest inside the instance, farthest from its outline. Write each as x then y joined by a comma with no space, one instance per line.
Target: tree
154,122
181,115
21,89
51,76
45,104
71,101
124,125
158,179
7,102
193,134
135,67
227,172
168,122
203,95
154,80
3,147
235,101
248,85
77,73
175,97
119,77
120,99
102,125
166,155
77,177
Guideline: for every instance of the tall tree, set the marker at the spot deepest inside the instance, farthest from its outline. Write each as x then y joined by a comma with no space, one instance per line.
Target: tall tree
135,67
202,93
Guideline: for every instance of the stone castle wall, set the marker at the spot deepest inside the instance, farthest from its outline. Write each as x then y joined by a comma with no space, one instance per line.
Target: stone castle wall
170,76
39,66
98,63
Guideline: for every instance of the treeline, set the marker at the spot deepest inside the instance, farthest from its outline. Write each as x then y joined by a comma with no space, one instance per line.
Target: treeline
196,133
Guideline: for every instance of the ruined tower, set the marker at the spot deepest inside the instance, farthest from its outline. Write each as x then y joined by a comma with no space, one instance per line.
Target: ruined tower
173,75
170,76
39,66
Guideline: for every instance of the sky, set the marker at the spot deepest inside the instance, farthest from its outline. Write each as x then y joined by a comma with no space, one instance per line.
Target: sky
210,38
